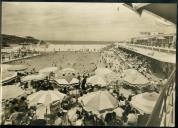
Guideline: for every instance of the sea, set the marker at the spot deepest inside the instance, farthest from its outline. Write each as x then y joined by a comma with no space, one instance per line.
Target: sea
72,46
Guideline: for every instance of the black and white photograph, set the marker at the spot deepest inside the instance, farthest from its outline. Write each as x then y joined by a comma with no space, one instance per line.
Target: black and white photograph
88,64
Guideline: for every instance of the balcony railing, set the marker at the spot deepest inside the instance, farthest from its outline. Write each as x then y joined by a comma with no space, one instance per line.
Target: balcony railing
164,110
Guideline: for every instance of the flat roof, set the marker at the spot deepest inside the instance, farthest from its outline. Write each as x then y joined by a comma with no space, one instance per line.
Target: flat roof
160,56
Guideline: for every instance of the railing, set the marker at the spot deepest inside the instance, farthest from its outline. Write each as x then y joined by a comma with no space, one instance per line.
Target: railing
164,110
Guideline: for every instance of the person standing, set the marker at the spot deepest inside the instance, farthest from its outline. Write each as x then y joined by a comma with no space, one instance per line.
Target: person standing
79,78
84,82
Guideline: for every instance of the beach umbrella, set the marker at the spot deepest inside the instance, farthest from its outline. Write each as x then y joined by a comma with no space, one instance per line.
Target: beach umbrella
96,80
45,97
145,102
11,91
102,71
74,81
135,78
99,101
119,111
17,68
62,81
167,11
112,77
48,70
34,77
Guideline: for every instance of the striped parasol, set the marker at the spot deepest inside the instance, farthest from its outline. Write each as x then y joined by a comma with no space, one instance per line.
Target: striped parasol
45,97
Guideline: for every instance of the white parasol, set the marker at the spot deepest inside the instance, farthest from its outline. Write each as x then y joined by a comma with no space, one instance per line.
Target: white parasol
98,101
45,97
96,80
102,71
145,102
34,77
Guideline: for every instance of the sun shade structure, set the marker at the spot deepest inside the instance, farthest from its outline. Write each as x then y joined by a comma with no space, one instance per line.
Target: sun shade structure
99,101
96,80
34,77
45,97
11,91
62,81
167,11
102,71
134,78
48,70
17,68
145,102
74,81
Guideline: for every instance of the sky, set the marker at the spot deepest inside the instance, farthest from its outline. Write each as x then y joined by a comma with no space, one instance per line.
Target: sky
77,21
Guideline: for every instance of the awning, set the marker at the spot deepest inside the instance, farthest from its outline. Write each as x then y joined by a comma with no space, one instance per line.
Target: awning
167,11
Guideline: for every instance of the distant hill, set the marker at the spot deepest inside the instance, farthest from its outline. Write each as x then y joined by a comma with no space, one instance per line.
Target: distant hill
12,39
78,42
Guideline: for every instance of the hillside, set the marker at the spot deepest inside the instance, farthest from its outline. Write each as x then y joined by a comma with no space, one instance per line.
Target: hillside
12,39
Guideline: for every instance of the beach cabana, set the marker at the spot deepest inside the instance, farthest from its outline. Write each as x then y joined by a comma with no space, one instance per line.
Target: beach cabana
96,80
134,78
98,102
17,68
11,91
48,70
102,71
145,102
34,77
62,81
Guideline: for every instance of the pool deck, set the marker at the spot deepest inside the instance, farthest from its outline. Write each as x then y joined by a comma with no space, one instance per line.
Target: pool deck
7,61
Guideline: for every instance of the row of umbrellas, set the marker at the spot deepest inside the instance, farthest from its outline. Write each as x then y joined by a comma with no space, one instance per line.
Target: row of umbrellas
97,102
102,75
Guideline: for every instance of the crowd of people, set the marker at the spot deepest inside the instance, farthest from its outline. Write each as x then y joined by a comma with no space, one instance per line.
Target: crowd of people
18,112
19,53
